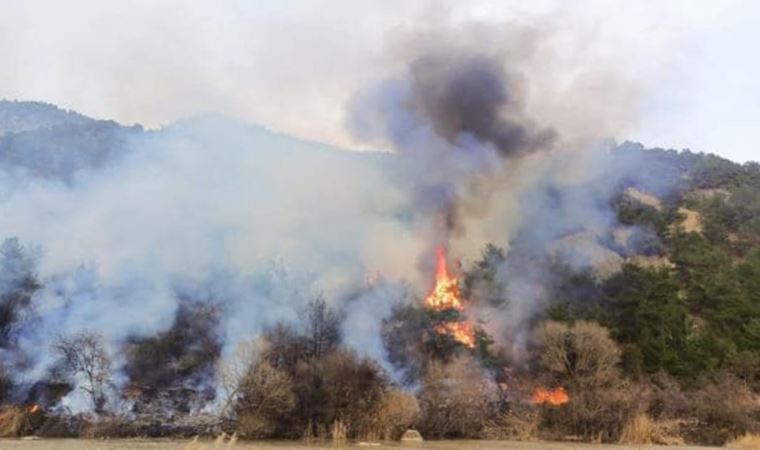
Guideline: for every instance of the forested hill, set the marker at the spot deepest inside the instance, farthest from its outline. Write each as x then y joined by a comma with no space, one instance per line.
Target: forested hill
633,292
688,301
45,141
683,291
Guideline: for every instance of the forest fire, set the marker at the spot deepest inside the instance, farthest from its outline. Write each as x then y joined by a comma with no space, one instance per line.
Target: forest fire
462,332
553,397
445,296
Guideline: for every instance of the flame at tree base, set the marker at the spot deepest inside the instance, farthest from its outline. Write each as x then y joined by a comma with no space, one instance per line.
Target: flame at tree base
553,397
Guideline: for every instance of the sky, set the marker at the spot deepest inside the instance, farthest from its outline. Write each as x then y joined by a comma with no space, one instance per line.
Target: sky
690,67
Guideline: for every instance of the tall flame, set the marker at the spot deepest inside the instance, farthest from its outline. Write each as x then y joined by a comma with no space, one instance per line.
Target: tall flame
554,397
445,294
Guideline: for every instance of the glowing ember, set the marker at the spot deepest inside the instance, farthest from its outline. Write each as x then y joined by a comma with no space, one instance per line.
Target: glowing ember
34,408
462,332
445,295
554,397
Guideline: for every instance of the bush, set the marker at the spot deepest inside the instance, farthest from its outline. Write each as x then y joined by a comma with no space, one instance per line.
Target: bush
354,389
642,430
457,400
398,412
585,360
521,423
266,398
724,408
14,421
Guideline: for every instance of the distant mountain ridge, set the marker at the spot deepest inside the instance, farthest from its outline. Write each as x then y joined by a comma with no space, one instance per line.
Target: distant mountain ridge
49,142
18,116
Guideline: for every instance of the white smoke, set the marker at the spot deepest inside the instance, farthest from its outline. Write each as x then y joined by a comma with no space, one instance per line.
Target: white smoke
258,223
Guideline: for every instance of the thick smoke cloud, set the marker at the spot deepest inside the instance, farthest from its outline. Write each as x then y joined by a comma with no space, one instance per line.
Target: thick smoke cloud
469,96
490,154
256,224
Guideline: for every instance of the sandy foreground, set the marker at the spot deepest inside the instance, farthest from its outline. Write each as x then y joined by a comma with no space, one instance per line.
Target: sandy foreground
160,444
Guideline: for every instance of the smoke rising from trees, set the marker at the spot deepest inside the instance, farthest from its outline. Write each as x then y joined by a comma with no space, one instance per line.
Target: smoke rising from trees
228,229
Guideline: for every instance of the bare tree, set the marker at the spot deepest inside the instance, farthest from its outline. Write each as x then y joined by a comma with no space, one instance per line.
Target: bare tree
581,353
83,354
457,399
322,327
232,371
266,398
584,359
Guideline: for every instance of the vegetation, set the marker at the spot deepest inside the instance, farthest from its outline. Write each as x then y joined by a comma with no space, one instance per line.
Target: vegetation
666,351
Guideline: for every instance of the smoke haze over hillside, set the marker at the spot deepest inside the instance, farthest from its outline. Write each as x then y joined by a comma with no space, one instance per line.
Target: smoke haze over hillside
486,132
256,224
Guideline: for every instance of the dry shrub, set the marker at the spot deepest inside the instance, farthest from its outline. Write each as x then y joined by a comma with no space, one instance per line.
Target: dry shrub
716,410
266,398
585,360
340,386
725,407
666,398
254,426
14,421
397,413
746,442
642,430
457,399
520,424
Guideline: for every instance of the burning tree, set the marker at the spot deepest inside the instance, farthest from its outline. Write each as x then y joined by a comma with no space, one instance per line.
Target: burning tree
84,354
446,299
438,330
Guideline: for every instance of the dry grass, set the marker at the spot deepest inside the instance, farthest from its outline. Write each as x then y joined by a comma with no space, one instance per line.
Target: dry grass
13,421
339,431
747,442
515,425
223,441
398,412
643,197
643,430
692,222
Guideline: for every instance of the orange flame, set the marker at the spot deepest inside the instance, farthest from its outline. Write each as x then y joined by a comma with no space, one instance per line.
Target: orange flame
34,408
445,294
462,332
554,397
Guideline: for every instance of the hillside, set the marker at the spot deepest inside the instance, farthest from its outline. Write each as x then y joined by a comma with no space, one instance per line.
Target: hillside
214,274
45,141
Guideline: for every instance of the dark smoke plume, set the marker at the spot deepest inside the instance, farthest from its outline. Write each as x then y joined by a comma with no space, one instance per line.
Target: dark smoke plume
469,95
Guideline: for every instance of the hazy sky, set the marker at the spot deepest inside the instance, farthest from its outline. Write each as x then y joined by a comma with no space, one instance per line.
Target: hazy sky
293,65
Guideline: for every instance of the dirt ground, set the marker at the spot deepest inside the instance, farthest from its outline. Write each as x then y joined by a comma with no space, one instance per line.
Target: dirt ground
118,444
